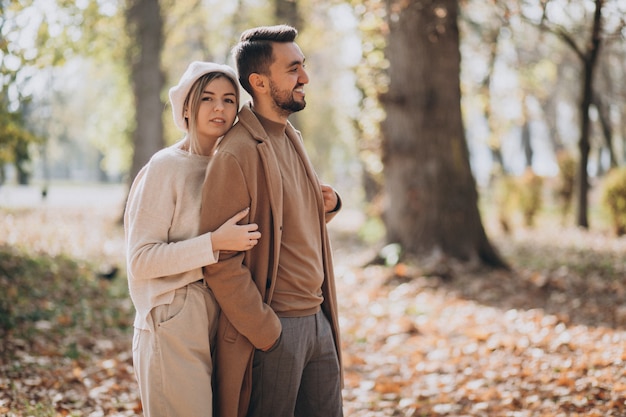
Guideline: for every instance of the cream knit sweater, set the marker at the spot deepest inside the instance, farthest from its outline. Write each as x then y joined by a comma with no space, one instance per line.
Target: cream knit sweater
163,249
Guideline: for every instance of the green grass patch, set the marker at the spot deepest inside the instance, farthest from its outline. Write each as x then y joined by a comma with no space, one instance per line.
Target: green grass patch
54,297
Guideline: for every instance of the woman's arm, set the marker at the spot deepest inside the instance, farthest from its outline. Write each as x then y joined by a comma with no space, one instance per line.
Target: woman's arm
233,237
152,251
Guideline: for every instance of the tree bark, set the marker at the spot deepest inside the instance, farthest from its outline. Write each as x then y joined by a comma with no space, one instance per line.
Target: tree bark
589,63
145,28
525,136
432,198
286,12
604,118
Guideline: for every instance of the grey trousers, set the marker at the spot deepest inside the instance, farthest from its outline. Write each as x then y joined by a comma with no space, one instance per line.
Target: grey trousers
299,377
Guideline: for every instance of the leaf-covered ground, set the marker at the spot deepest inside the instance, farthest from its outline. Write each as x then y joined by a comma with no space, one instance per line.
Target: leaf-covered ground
544,342
547,338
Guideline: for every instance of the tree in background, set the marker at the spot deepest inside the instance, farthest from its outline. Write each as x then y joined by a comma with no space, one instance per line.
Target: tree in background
588,55
328,37
484,27
432,204
541,68
509,55
145,28
14,141
15,134
583,27
62,65
286,11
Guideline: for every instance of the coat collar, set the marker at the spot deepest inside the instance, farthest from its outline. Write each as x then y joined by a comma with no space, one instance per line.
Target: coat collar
252,124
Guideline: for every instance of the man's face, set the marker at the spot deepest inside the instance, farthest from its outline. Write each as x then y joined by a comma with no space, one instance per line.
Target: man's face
287,78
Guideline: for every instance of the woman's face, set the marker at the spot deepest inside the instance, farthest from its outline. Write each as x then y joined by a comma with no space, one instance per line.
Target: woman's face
217,109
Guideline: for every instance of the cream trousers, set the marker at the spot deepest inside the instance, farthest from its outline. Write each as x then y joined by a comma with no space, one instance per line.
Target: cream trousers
173,362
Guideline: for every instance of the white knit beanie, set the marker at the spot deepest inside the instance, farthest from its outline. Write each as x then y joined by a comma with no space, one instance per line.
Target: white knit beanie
196,69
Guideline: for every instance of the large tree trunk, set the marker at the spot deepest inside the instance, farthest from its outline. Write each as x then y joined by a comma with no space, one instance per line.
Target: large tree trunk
145,27
432,198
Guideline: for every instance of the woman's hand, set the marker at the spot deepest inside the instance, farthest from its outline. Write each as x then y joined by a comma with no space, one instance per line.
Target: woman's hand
234,237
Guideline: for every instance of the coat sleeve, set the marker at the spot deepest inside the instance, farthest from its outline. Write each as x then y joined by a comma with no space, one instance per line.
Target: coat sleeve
225,193
331,214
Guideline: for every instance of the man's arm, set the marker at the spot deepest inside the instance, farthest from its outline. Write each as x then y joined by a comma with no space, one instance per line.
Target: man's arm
225,193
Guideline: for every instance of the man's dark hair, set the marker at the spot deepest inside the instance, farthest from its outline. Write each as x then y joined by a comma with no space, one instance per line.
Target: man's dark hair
253,53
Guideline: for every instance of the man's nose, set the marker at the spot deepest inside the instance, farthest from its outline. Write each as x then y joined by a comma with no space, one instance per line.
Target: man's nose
304,77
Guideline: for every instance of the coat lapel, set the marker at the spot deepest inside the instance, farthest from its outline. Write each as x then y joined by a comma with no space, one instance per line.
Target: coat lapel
275,197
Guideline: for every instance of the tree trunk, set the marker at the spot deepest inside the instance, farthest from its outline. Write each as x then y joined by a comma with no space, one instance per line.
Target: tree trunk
432,198
525,136
494,142
604,117
286,11
145,27
550,110
589,62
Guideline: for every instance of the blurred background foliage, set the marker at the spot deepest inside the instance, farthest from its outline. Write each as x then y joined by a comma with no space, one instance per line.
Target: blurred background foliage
68,69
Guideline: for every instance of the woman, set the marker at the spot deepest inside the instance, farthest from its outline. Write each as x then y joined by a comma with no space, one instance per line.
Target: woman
176,314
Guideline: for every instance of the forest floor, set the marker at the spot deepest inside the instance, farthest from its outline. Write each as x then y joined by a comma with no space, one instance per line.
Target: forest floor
545,338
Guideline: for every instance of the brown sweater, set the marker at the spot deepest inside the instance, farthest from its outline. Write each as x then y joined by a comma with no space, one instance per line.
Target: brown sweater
300,270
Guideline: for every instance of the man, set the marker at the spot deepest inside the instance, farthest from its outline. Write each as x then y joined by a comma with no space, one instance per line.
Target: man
278,348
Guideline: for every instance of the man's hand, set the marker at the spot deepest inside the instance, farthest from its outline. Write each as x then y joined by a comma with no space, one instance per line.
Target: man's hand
330,198
266,348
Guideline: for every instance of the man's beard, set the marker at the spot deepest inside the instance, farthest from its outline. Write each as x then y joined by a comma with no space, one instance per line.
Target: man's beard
284,100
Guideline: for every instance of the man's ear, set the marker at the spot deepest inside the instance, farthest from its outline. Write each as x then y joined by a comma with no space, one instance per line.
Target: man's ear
258,82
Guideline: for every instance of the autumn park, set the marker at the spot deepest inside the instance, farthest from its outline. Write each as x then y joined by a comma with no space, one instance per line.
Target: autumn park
479,149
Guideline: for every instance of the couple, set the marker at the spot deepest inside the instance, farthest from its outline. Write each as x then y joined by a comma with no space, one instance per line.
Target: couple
249,310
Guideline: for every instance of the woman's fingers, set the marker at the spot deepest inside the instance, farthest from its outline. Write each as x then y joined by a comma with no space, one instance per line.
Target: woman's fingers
254,235
243,213
251,235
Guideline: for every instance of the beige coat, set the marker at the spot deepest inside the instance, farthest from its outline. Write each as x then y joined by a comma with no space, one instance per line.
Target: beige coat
244,173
